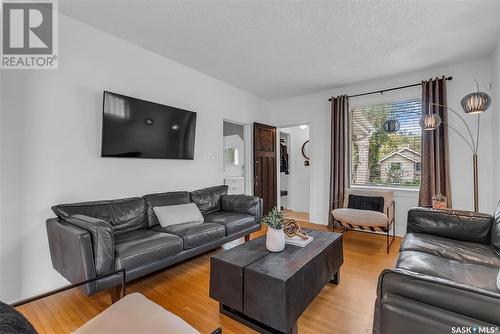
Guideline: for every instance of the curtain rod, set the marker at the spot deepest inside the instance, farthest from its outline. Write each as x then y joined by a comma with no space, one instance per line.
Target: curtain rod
387,90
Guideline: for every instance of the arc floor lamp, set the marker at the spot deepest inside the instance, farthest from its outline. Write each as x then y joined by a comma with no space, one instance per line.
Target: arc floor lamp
473,104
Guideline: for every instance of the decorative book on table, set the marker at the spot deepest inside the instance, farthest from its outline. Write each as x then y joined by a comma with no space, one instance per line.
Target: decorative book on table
297,241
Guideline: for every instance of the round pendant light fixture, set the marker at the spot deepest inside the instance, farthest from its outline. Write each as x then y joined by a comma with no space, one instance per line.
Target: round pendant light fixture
430,122
476,103
391,126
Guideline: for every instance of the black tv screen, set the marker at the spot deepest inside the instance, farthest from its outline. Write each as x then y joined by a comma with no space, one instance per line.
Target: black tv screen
134,128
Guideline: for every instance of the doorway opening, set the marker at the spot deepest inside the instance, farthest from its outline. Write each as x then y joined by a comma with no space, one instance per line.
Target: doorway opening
234,157
294,172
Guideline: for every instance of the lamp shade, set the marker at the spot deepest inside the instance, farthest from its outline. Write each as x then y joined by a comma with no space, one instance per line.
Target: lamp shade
475,103
391,126
430,122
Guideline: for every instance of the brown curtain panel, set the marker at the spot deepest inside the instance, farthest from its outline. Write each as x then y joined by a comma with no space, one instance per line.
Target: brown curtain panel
339,110
435,177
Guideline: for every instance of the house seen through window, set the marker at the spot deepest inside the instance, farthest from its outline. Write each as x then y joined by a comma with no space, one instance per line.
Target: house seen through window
386,159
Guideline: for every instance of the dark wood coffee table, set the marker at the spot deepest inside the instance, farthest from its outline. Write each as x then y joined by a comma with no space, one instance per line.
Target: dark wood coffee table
269,291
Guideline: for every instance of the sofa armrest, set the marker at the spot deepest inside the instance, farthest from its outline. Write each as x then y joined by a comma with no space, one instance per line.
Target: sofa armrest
451,224
244,204
71,252
448,296
103,245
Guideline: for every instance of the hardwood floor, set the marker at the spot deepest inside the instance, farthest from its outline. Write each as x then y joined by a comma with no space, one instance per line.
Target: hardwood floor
300,216
183,290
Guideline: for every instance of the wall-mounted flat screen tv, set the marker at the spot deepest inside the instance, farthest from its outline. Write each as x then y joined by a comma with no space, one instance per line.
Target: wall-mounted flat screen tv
134,128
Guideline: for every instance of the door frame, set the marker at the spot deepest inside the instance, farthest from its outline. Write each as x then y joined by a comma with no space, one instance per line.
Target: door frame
278,131
248,156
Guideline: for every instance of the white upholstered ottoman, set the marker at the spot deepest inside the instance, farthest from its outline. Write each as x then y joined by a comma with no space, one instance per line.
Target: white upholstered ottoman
135,314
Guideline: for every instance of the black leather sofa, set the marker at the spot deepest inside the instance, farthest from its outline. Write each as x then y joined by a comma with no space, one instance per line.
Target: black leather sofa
446,276
91,239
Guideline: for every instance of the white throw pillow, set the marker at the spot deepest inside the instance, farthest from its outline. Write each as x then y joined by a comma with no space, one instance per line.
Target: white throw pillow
178,214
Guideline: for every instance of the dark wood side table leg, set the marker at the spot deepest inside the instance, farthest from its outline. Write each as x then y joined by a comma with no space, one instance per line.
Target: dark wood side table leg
115,293
336,278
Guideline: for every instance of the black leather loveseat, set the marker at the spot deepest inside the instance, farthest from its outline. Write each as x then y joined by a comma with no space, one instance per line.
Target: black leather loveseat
446,278
91,239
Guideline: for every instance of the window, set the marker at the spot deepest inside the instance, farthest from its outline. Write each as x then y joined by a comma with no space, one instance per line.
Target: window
385,159
395,165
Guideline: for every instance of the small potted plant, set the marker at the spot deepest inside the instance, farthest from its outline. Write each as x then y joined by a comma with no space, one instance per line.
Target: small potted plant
275,237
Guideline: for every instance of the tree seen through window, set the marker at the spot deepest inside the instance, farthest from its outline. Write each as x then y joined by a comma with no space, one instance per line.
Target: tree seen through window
386,159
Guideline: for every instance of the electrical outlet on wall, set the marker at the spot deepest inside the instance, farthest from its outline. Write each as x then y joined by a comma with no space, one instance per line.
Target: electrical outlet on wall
211,156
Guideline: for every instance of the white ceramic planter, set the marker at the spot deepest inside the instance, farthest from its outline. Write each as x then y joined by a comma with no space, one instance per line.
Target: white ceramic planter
275,240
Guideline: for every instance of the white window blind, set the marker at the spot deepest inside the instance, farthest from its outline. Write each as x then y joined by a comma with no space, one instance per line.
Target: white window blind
386,159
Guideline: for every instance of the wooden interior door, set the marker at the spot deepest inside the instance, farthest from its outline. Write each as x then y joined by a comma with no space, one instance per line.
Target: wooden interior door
265,164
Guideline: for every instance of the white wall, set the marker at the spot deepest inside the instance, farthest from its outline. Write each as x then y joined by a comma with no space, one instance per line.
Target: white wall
298,177
50,142
314,109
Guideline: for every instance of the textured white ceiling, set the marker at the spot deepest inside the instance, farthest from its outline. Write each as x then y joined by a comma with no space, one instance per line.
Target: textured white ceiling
277,49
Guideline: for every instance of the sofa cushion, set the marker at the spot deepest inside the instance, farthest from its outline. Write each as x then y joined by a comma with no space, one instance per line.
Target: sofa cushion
450,249
466,273
195,234
163,199
209,199
102,210
452,224
136,248
233,221
360,217
129,214
126,214
495,231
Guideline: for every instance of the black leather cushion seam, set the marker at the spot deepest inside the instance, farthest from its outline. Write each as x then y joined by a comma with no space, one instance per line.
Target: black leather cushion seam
441,281
430,252
212,228
149,250
451,259
153,262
